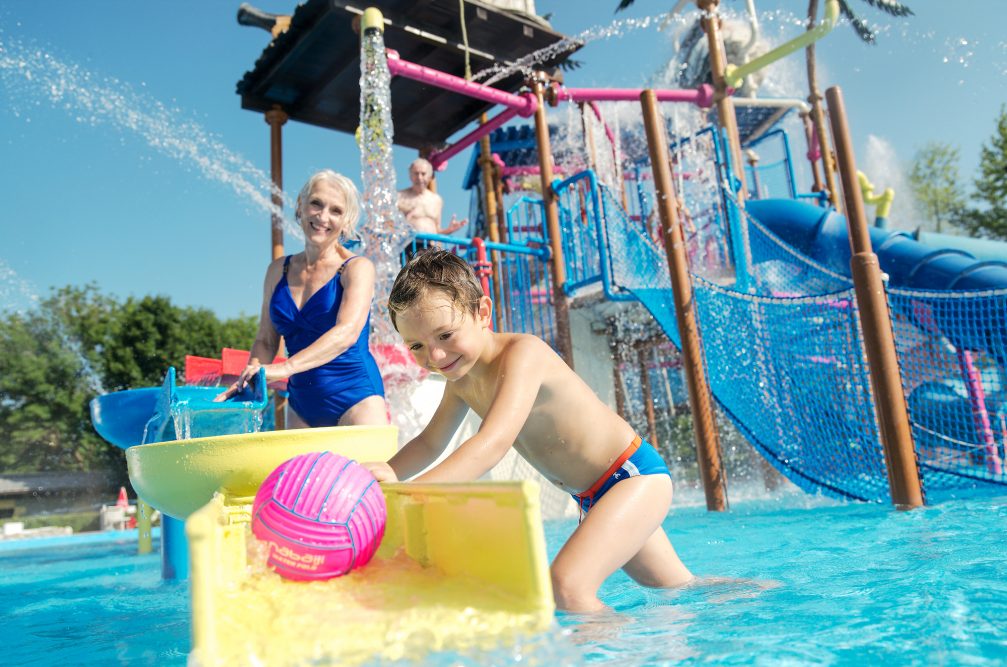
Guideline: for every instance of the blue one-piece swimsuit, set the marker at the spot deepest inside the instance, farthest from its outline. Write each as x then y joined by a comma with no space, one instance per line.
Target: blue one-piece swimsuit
321,395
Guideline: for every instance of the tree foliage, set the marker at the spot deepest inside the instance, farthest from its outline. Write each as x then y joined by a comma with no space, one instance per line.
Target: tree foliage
78,343
990,220
935,183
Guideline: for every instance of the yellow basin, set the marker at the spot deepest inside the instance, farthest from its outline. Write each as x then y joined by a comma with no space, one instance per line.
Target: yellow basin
462,567
180,476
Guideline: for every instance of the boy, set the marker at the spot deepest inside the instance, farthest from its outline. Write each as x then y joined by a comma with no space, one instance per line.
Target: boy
530,399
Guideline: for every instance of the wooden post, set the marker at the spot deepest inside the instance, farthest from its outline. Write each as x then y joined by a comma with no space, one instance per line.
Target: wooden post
725,105
549,199
704,421
276,117
492,221
876,323
643,351
818,115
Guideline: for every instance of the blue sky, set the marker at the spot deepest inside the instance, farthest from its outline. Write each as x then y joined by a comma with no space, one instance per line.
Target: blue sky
121,188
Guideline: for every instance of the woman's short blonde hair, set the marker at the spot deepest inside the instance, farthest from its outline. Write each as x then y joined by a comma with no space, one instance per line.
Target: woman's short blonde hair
344,184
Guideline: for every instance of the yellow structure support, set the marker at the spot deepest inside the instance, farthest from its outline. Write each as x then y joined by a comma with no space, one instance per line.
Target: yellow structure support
144,514
883,202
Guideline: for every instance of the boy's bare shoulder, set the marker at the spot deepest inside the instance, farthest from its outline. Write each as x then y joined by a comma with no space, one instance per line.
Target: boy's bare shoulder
527,347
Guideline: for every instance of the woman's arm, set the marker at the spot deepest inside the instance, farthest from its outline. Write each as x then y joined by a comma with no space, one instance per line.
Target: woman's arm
267,340
520,379
358,291
424,449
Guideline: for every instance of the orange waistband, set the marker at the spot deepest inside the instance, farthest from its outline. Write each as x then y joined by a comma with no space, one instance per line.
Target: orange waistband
633,446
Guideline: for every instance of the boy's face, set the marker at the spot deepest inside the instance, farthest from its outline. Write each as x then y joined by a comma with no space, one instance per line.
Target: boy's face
443,337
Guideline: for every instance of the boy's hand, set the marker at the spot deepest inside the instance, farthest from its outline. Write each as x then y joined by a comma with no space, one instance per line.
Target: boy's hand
381,471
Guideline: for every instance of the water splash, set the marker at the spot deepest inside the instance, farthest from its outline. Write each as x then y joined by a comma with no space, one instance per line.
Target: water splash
31,74
385,232
618,28
881,164
18,296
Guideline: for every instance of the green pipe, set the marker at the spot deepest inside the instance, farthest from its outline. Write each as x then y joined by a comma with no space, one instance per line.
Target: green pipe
734,75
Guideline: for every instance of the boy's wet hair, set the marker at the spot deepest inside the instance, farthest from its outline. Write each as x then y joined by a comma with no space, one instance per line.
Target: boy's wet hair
434,270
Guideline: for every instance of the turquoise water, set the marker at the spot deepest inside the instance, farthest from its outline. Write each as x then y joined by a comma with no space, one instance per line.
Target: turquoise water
820,583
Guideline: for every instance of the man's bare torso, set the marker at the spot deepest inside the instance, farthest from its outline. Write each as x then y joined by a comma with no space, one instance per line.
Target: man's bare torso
422,211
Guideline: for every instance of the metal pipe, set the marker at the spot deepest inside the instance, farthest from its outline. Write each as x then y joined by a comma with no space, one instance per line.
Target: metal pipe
707,438
735,75
551,207
813,152
437,158
701,96
876,324
525,105
980,413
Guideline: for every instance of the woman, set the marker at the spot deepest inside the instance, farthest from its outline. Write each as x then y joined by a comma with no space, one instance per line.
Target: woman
319,301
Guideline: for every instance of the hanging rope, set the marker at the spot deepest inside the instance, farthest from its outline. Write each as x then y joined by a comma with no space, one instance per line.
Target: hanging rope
465,40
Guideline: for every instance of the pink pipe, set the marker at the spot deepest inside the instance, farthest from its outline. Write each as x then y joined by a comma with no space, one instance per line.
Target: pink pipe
524,105
814,146
530,170
701,96
980,414
597,114
439,158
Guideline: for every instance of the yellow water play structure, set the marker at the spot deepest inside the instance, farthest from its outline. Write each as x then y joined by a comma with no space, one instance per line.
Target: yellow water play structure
461,566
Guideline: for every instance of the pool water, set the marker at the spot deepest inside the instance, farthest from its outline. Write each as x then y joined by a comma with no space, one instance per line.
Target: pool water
809,581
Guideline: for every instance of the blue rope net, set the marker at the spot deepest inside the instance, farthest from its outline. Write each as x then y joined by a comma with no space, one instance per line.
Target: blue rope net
952,347
782,339
788,370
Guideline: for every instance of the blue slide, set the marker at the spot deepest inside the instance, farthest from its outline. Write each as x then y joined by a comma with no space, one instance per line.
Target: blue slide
136,417
821,234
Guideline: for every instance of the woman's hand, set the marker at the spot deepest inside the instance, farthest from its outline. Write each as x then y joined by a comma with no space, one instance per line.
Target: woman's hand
273,372
381,471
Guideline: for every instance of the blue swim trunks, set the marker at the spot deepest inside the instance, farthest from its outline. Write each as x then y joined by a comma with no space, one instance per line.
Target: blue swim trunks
640,458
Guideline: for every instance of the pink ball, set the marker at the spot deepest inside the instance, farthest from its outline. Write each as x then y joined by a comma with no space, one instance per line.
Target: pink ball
321,515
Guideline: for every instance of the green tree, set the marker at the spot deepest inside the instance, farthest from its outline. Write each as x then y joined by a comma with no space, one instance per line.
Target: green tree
78,343
934,180
45,387
151,334
991,186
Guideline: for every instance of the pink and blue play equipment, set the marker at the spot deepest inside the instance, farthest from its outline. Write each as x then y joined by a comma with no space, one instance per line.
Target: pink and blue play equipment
320,514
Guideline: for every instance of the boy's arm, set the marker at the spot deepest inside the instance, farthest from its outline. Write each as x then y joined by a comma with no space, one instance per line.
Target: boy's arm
424,449
520,378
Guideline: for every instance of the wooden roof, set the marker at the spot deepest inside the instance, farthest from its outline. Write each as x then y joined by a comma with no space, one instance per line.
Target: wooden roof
312,70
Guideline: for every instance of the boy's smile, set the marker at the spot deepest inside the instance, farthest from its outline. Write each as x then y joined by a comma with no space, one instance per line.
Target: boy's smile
442,337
